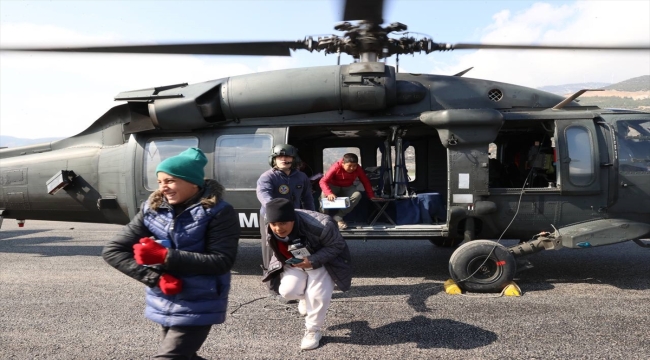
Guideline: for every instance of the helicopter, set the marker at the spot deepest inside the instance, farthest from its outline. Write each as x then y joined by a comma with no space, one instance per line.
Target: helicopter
455,160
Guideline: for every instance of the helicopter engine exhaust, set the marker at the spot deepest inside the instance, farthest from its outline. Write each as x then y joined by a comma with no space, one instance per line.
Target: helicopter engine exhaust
358,87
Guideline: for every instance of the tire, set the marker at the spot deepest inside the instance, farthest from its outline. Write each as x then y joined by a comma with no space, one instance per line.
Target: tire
470,270
445,242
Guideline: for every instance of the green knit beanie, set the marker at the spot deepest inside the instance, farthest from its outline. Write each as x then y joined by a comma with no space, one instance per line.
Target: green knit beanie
187,165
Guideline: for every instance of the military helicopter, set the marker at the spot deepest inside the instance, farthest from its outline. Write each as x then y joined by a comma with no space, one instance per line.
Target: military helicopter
456,160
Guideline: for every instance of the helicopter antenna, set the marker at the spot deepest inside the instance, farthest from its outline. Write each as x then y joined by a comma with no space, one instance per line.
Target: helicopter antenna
463,72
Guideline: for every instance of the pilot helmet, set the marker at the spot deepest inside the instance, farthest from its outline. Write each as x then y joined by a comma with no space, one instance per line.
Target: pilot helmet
286,150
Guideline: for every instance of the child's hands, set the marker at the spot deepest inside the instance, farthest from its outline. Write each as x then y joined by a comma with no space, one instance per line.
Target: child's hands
304,264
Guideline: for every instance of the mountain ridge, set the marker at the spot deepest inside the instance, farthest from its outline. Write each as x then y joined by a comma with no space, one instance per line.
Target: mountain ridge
639,83
11,141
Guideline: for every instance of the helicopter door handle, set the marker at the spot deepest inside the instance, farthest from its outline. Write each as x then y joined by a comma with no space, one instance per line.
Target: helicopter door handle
606,165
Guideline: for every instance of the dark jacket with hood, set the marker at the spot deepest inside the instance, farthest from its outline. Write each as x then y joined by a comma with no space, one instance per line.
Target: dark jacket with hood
329,249
204,239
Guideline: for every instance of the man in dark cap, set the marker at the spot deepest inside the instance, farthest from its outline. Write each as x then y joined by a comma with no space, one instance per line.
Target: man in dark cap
182,245
312,258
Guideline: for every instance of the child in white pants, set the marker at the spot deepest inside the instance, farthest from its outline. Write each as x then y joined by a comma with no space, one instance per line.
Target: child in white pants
311,257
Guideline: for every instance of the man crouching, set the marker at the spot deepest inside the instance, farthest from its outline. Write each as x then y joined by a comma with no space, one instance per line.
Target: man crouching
312,257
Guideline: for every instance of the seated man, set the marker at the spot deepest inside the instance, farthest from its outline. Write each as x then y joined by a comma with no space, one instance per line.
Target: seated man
338,181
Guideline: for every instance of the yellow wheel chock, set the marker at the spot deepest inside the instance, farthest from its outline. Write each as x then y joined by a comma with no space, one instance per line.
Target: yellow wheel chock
511,289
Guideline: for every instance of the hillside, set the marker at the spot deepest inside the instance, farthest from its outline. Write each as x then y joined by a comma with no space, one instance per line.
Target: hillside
572,88
641,83
616,102
631,94
10,141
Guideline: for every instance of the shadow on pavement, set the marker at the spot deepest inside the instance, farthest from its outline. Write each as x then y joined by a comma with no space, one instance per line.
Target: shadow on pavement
425,332
417,293
4,235
48,246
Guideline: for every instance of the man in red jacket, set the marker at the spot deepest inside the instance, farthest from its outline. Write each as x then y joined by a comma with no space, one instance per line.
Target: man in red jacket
338,181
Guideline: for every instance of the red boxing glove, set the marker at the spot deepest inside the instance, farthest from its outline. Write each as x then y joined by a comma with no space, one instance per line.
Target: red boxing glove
149,252
170,285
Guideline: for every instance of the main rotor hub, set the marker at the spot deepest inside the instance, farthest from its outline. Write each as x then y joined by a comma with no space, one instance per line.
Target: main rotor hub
366,40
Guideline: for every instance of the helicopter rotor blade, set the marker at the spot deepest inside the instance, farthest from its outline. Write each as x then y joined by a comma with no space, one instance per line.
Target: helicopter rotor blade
270,48
367,10
470,46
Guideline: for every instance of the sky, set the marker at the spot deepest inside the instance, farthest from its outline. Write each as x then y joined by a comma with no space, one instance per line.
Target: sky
59,95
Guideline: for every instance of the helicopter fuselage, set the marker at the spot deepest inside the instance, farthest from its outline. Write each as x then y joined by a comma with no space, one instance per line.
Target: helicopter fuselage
469,158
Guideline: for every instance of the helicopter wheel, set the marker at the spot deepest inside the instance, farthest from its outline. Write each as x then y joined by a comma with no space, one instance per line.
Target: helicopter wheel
482,266
445,242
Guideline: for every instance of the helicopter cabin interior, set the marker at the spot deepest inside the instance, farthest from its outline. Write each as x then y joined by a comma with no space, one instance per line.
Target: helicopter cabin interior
413,179
413,172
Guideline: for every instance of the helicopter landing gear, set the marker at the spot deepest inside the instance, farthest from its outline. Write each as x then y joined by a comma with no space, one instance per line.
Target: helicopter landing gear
482,266
641,243
487,266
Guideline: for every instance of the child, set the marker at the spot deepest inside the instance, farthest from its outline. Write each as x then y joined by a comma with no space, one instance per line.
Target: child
338,181
321,260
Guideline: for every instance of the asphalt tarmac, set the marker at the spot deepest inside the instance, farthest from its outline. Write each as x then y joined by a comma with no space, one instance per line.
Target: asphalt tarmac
60,300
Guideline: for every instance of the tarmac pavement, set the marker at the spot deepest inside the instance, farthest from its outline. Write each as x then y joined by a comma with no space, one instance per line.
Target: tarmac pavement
60,300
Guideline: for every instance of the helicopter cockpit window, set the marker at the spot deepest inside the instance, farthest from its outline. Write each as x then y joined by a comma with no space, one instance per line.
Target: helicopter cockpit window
241,159
158,150
581,165
633,145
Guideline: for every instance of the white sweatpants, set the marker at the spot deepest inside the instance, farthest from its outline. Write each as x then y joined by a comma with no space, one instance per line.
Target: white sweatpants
315,286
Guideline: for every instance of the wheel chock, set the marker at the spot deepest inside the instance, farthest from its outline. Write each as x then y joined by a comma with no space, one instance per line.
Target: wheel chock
452,288
511,289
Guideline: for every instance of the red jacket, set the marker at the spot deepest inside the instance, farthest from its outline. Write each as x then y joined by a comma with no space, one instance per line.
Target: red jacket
338,177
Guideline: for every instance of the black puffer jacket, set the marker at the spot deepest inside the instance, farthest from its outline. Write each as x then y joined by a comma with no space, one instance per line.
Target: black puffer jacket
221,242
330,249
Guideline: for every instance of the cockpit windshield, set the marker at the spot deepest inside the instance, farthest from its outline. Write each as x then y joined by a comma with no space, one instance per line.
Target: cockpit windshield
634,145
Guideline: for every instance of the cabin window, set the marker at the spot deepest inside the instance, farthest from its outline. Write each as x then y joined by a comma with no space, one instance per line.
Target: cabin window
580,151
332,155
409,161
158,150
633,145
241,159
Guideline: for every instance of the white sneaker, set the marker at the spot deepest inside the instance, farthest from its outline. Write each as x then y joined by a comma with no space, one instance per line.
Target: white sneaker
311,340
302,307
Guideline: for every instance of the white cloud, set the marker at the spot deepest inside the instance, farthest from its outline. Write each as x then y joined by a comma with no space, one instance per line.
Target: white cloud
26,34
583,23
56,94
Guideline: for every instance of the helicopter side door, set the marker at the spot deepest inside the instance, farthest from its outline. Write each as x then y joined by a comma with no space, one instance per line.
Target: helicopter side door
633,159
584,165
236,158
